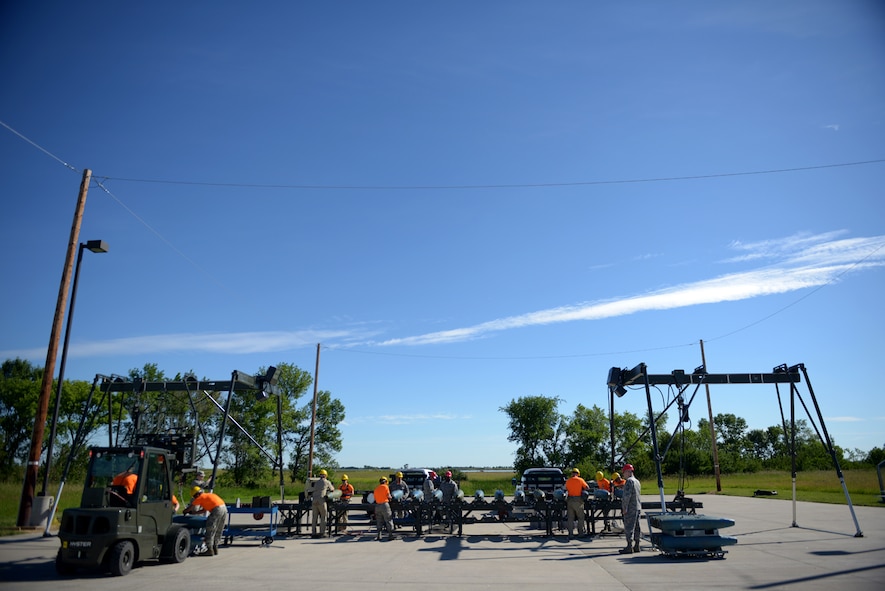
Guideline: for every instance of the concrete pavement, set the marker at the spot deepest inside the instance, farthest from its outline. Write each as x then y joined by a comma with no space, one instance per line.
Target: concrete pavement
822,552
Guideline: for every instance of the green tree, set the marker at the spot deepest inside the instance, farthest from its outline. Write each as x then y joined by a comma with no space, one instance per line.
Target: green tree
297,411
689,454
72,408
588,439
246,463
633,442
534,422
19,390
876,455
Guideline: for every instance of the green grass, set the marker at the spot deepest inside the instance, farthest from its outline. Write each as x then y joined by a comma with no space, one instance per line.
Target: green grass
818,487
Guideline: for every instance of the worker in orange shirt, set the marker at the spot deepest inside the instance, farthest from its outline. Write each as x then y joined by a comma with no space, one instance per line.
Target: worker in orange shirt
207,501
383,516
127,479
618,485
574,505
604,484
346,489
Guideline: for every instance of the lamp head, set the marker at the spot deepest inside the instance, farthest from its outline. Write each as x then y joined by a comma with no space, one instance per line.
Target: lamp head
96,245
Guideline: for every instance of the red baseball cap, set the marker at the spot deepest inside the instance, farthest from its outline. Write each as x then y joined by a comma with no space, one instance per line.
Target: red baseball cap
627,467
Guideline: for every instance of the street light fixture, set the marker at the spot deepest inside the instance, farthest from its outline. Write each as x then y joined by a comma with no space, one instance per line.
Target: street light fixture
94,246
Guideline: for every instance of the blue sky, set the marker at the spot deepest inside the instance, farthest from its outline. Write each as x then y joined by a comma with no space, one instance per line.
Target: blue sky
464,203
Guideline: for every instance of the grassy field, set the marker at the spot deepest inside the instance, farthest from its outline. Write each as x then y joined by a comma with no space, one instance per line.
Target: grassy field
819,487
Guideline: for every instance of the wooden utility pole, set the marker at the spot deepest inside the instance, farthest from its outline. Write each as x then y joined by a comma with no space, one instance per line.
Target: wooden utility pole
33,466
712,426
313,414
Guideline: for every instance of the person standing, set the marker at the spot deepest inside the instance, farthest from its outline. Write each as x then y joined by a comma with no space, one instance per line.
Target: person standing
449,490
200,480
346,493
605,485
318,489
428,486
398,485
206,501
631,505
574,505
383,515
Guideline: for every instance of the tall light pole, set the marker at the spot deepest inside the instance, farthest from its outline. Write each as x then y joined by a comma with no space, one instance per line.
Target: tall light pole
94,246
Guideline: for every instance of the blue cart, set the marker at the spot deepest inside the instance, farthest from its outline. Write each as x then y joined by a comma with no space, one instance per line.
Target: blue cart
265,531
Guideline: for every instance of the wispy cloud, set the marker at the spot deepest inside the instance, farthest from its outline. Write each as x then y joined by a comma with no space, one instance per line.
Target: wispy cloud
796,262
801,261
844,419
235,343
780,248
833,126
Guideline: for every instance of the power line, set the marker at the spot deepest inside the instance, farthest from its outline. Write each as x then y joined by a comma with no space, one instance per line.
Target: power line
41,148
452,187
495,186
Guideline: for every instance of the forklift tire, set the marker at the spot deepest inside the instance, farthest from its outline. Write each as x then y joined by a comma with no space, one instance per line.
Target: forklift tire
176,544
121,558
63,568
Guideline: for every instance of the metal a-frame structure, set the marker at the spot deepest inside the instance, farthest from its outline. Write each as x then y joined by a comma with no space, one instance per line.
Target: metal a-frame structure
619,379
261,386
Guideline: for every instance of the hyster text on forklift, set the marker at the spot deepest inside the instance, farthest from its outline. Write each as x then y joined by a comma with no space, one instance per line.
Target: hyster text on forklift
115,528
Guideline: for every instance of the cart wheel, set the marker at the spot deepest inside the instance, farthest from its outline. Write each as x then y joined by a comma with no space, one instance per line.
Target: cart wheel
267,541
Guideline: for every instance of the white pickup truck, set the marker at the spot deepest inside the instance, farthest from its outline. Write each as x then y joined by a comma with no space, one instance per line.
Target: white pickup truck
544,480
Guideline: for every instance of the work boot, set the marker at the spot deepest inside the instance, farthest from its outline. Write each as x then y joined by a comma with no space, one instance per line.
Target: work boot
636,547
627,550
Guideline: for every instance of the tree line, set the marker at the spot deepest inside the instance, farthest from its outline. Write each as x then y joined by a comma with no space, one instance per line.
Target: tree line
547,437
242,457
544,436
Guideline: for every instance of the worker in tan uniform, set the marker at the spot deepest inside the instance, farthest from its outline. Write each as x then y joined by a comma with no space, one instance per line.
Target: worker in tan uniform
318,489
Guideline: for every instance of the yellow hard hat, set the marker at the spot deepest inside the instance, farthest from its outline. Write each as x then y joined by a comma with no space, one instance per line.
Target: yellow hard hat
195,491
600,476
576,471
344,477
399,474
615,476
323,473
